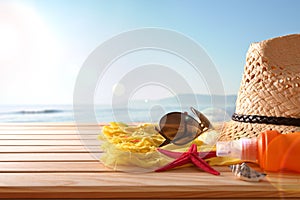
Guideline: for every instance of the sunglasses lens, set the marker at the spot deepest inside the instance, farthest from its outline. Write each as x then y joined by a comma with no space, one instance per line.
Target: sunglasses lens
178,127
170,124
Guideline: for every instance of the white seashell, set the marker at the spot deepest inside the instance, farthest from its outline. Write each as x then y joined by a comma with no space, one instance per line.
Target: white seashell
246,173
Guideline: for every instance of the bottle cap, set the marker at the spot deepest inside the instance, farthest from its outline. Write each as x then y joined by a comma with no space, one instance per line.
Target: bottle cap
249,149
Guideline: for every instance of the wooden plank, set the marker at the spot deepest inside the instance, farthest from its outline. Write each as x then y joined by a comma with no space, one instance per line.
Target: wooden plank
50,126
48,142
4,157
47,137
192,184
42,132
35,167
96,128
48,149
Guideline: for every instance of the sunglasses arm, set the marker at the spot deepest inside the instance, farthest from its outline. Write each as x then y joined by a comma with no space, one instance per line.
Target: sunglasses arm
167,140
203,120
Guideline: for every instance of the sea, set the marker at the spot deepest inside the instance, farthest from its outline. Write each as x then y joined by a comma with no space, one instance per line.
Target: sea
102,114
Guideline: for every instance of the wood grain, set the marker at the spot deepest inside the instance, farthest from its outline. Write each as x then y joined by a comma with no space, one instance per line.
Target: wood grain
149,185
4,157
42,166
47,137
48,149
53,161
47,142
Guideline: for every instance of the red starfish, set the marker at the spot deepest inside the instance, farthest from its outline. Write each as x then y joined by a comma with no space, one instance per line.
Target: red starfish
190,156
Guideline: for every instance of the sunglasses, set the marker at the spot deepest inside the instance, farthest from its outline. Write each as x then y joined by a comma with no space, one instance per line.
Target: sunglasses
180,128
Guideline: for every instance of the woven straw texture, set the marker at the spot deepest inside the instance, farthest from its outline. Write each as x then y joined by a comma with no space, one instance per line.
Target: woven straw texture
270,86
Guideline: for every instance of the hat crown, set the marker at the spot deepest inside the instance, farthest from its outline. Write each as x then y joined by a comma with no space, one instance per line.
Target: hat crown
271,82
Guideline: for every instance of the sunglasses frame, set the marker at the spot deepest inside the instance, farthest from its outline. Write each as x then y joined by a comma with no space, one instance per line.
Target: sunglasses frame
203,126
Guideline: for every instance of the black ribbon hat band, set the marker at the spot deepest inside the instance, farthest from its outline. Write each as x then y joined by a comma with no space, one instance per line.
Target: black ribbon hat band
266,120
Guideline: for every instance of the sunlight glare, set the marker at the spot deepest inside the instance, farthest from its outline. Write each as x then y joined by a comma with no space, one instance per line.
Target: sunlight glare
9,41
29,56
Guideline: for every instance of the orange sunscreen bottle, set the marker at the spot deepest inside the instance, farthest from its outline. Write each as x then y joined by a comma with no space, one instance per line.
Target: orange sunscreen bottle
272,150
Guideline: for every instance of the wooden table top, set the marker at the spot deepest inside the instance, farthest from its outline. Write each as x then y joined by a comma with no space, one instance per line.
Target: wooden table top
50,161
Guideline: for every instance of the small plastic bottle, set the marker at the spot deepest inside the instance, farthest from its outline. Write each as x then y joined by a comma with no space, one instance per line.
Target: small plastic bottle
272,150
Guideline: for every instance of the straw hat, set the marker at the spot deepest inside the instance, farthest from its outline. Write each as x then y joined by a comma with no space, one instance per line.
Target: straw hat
269,95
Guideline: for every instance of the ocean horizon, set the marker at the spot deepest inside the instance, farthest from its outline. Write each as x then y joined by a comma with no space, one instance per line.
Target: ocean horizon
136,111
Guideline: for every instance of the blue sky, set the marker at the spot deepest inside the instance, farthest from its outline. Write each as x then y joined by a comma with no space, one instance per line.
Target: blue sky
63,33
